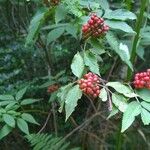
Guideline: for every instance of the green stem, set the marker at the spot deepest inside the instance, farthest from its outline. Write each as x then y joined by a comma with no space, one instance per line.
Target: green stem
34,111
136,38
128,4
133,57
119,138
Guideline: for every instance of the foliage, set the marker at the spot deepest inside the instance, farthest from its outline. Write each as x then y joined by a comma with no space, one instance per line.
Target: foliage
45,142
42,45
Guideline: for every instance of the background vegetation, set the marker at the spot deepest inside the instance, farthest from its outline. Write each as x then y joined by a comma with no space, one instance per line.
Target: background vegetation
38,41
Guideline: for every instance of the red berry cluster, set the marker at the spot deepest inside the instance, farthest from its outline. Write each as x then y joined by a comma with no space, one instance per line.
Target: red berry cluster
95,27
52,88
142,80
54,2
89,84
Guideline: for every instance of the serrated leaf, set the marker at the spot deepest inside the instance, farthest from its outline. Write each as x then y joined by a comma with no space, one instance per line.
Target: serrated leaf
113,112
97,47
53,97
46,84
120,25
146,105
20,93
55,34
145,115
5,131
121,88
104,4
22,125
10,105
72,97
60,13
3,103
113,42
29,101
29,118
120,14
124,49
9,120
144,94
140,52
6,97
77,65
71,29
103,95
62,95
120,102
133,109
35,25
91,61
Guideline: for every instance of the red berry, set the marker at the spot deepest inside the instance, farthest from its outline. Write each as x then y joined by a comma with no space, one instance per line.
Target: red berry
88,84
142,80
95,27
91,22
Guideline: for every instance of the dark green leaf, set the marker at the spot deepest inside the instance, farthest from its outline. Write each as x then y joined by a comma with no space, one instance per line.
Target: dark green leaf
123,52
9,120
77,65
91,61
6,97
3,103
72,98
113,112
122,89
140,52
62,95
55,34
46,84
53,97
97,48
60,13
133,109
20,93
5,131
103,95
29,101
145,115
144,94
29,118
120,102
146,105
120,25
22,125
11,105
104,4
35,25
71,29
120,14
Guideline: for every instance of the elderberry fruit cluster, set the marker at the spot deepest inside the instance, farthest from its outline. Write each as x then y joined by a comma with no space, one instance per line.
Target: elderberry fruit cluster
95,27
54,2
89,84
52,88
142,80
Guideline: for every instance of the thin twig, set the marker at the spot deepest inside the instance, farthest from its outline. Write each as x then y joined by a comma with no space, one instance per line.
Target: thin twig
112,68
45,122
54,119
83,125
34,111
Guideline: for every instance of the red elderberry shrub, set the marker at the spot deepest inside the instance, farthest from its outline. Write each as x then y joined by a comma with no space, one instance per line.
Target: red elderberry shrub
95,27
142,80
89,84
52,88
